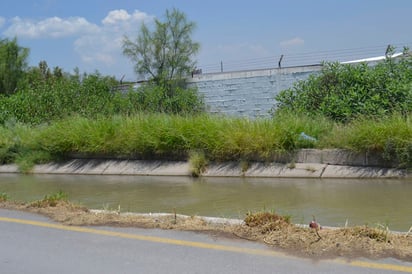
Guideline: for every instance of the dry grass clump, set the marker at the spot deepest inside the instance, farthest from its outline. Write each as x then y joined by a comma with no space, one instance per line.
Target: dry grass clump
360,241
266,221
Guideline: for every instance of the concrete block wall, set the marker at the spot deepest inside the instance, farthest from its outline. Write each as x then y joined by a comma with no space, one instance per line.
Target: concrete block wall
247,93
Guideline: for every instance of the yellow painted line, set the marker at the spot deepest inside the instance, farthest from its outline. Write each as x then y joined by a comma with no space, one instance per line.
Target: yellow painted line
145,238
270,253
390,267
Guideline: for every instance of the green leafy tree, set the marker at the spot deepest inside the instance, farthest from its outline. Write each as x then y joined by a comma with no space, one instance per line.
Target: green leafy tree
13,62
164,53
35,76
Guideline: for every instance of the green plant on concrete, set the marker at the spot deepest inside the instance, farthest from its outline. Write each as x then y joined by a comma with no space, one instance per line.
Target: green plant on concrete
3,197
26,161
198,163
291,165
244,166
310,169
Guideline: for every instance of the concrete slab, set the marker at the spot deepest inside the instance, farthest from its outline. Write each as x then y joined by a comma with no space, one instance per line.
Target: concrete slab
303,170
138,167
85,167
117,167
53,168
9,169
264,170
342,157
331,156
229,169
334,171
77,166
172,169
306,163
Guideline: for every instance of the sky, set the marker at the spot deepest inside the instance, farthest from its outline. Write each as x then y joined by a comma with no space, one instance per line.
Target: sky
233,35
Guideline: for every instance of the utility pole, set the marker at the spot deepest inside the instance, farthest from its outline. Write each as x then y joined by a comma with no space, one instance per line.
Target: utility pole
280,61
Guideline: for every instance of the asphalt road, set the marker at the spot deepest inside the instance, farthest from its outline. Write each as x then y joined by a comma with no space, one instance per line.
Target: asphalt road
33,244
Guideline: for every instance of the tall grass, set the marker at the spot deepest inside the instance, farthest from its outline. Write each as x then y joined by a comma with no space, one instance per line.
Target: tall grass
218,138
391,136
19,144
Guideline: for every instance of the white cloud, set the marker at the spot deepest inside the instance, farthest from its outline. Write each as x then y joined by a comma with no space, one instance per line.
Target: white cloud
2,21
116,16
53,27
104,47
101,48
297,41
97,44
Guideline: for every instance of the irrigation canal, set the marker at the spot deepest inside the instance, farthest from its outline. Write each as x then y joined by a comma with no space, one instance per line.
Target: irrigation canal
334,202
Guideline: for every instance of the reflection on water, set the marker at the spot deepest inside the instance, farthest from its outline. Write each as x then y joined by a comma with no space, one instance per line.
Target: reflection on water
366,201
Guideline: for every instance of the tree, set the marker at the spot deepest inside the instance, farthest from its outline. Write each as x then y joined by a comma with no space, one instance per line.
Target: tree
165,53
40,75
13,62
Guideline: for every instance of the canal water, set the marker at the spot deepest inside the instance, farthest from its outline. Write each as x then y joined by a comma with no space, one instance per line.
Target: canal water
333,202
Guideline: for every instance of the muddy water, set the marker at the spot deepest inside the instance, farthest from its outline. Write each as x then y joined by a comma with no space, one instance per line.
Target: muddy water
333,202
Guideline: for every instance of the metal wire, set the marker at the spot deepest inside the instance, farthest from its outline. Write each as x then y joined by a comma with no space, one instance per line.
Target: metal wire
301,59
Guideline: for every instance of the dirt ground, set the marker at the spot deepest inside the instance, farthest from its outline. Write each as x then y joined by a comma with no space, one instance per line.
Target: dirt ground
268,228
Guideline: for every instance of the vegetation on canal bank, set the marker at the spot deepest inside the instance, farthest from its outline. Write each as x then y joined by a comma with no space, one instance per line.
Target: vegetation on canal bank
216,138
49,114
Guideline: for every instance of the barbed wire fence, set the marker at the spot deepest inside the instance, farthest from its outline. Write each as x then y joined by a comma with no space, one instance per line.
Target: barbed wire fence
300,59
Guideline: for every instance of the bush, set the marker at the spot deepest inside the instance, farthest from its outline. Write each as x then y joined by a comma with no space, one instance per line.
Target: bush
157,98
92,96
343,92
44,101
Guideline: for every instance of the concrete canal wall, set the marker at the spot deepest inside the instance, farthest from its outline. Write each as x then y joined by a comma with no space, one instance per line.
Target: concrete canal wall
307,163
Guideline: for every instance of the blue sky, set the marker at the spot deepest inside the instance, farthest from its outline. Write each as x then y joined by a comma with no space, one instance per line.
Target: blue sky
242,34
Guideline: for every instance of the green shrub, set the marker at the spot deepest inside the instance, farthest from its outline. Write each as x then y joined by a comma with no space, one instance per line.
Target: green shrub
92,96
45,101
343,92
198,163
50,200
154,98
3,197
